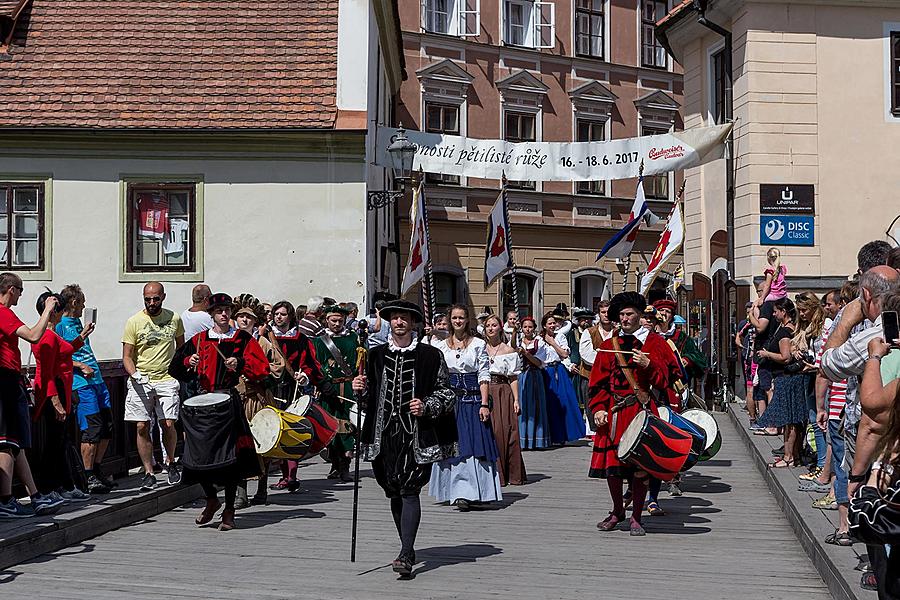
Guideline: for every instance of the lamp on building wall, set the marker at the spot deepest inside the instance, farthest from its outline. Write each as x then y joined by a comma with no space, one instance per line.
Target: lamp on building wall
402,153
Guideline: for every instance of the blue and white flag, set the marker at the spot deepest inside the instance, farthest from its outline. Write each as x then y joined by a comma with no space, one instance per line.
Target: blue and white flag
620,245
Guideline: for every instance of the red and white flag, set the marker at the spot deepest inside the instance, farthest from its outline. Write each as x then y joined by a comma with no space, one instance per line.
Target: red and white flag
418,242
669,243
497,253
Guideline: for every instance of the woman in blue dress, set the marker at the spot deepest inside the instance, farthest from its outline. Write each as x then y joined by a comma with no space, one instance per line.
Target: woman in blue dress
472,476
566,420
534,424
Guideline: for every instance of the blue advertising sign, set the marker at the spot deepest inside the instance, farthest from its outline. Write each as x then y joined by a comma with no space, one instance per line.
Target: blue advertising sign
787,230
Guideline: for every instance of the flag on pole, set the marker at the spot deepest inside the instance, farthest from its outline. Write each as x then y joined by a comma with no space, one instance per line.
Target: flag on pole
620,245
669,243
418,242
497,253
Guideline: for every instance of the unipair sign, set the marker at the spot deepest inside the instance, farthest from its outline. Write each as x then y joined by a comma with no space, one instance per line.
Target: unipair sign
787,214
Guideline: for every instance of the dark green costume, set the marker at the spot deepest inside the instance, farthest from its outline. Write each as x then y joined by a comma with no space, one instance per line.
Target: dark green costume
696,362
347,343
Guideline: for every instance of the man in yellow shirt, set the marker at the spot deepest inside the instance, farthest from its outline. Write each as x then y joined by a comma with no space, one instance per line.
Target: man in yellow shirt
148,345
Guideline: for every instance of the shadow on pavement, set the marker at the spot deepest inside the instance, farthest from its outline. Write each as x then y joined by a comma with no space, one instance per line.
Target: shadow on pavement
441,556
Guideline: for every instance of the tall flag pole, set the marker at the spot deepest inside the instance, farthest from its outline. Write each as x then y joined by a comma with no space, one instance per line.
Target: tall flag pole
428,282
670,242
498,258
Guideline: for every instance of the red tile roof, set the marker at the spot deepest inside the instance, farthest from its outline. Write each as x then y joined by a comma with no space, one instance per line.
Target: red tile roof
172,64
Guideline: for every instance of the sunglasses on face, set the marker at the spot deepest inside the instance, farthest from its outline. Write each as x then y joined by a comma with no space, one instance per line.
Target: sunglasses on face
150,299
20,288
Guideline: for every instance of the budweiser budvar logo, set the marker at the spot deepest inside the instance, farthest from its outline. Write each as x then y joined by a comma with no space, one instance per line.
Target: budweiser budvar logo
670,152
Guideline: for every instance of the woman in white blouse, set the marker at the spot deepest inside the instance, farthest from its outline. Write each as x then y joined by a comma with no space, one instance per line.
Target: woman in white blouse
505,366
566,420
534,426
472,476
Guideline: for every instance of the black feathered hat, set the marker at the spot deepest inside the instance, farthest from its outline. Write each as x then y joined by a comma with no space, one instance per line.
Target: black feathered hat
625,300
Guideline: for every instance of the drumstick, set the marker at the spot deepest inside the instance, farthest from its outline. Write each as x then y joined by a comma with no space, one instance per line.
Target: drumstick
616,351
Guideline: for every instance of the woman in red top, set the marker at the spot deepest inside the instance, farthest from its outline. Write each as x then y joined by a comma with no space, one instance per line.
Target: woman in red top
53,401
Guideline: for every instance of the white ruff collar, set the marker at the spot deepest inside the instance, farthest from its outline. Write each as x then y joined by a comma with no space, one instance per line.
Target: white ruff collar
395,348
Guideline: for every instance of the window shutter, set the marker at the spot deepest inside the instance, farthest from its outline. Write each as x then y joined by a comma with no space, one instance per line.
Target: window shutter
469,17
423,14
544,25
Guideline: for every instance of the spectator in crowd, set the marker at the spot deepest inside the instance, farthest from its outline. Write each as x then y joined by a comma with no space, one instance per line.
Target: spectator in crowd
352,315
148,344
511,325
311,323
267,307
300,312
763,320
773,285
785,356
89,392
845,357
196,318
15,426
53,403
830,400
743,340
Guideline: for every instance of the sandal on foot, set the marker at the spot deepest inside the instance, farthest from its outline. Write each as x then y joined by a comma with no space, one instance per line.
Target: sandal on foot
610,522
654,510
208,512
868,581
839,538
227,523
281,485
779,464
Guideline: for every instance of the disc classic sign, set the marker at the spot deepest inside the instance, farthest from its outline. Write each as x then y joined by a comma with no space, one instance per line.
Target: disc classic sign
787,199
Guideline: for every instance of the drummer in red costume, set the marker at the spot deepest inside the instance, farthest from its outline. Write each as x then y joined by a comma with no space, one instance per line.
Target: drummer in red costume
614,401
219,356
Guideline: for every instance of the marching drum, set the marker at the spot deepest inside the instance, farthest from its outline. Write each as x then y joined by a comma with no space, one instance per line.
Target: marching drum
280,434
655,446
696,432
213,399
325,427
708,423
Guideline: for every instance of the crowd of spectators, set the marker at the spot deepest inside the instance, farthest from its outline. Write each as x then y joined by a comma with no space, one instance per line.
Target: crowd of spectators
820,373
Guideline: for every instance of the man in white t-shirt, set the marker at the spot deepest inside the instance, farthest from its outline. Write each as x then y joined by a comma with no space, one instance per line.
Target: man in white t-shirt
196,318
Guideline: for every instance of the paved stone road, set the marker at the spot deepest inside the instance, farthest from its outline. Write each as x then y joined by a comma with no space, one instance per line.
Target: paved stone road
726,538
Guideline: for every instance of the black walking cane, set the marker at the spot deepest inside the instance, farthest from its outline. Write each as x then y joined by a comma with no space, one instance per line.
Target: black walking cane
360,397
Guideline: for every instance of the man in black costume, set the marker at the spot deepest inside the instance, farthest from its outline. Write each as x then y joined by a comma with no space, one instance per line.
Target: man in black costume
410,421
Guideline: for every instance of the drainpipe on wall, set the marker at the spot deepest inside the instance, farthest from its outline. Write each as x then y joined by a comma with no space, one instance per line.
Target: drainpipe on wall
700,7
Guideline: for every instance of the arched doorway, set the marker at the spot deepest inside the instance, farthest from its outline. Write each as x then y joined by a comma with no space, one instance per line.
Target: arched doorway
589,286
530,284
449,287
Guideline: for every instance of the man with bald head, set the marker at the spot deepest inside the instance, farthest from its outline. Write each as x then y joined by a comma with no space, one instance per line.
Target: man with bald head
196,318
148,345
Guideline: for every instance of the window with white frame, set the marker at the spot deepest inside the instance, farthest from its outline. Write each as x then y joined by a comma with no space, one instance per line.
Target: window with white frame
442,118
652,52
22,226
528,23
452,17
520,127
656,187
589,130
589,28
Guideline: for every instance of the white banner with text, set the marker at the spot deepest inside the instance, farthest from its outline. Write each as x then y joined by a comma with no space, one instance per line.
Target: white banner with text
559,161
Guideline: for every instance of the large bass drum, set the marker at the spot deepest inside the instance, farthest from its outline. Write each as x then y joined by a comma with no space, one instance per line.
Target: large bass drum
654,446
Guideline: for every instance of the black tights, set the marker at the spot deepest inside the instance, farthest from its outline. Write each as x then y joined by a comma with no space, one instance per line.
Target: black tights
230,493
407,512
